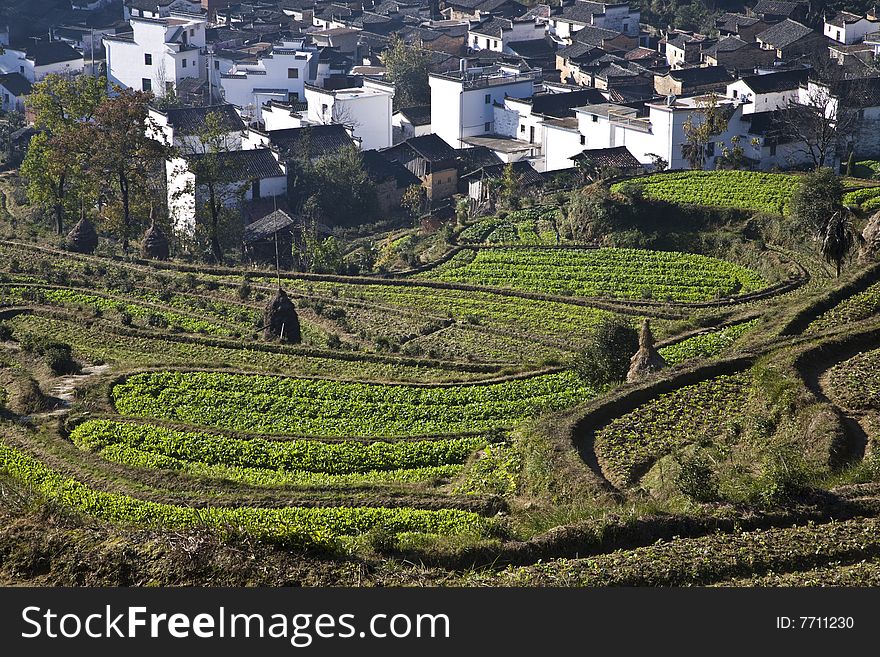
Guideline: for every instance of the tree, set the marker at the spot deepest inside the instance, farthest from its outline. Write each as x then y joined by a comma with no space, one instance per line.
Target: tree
407,68
54,165
658,163
508,187
214,180
341,192
825,119
414,199
607,357
815,200
592,212
122,151
699,128
840,238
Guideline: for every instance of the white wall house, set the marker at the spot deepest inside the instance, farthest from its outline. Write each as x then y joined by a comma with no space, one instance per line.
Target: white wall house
157,54
159,8
768,92
849,28
181,126
462,102
253,174
14,89
42,58
496,33
280,75
410,122
281,116
367,110
609,16
659,130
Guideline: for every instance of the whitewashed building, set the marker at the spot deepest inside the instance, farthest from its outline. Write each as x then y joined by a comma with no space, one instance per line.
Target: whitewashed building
768,92
463,102
158,53
496,34
618,17
366,110
38,60
848,28
279,75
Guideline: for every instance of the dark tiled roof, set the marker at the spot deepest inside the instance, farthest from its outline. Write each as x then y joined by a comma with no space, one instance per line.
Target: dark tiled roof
533,48
776,7
379,169
492,27
595,36
772,82
582,12
681,40
311,141
784,33
640,53
16,84
417,115
246,165
51,52
471,159
265,228
522,169
430,147
617,157
561,105
844,17
700,75
482,5
192,120
732,22
727,44
581,51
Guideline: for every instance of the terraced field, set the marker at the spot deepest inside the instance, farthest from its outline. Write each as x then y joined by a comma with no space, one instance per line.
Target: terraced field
622,273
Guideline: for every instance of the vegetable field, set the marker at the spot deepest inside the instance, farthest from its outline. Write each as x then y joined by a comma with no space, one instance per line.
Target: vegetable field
746,190
624,273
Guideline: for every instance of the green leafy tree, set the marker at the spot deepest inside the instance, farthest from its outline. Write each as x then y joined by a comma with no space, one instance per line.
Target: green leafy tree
606,358
816,200
508,187
699,128
593,212
414,200
215,182
407,68
342,193
122,152
54,166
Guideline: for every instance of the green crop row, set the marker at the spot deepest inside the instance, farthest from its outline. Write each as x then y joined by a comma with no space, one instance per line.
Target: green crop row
855,383
11,295
865,198
276,405
705,560
747,190
705,345
264,477
282,455
628,273
629,444
305,526
859,306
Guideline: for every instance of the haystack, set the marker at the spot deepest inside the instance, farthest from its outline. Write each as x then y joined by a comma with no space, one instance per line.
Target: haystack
280,319
83,238
646,359
155,243
871,247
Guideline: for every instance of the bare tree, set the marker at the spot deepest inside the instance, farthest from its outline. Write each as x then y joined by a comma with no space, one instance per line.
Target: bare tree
827,118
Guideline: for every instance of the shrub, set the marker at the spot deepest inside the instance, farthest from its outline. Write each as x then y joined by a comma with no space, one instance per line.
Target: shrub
696,478
59,357
606,359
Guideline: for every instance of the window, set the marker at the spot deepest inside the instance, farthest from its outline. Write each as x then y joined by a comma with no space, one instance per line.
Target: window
595,118
217,65
147,84
626,27
839,35
292,73
487,126
494,43
184,64
148,59
583,140
324,108
192,32
532,134
735,93
772,149
488,98
522,128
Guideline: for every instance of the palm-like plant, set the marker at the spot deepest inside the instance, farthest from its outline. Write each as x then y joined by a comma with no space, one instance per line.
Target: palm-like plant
839,238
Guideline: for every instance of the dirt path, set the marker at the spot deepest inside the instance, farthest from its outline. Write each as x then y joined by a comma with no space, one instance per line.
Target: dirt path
856,423
63,390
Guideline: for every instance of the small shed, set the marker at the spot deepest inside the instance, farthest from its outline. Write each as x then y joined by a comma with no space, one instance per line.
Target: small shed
260,238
